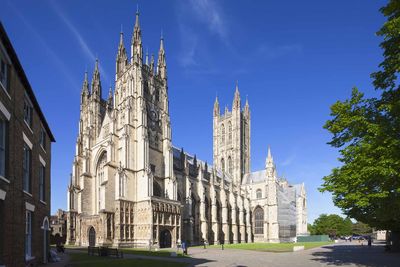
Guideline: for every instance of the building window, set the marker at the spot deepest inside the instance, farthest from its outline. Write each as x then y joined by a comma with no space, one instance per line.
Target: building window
28,235
3,146
27,168
230,132
230,167
223,134
43,138
259,221
258,193
28,111
42,180
4,72
223,164
100,167
121,185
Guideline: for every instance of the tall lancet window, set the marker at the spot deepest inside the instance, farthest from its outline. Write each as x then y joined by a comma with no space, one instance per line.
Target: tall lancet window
258,221
230,132
222,134
122,183
100,175
230,167
223,165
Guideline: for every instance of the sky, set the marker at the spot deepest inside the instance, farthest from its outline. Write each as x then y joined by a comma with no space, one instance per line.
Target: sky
291,59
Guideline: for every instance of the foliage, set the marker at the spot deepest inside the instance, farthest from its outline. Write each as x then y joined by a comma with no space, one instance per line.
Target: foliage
332,225
367,132
360,228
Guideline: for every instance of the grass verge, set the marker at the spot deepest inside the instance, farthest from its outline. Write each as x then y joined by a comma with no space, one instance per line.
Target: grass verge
271,247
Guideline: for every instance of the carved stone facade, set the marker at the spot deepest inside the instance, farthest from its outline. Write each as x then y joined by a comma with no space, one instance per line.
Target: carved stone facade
130,187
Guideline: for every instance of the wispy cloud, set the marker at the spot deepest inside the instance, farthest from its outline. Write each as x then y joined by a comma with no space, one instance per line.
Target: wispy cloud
53,55
288,161
208,12
189,43
81,41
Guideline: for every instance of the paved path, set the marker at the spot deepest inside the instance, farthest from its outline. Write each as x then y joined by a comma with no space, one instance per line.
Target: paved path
342,254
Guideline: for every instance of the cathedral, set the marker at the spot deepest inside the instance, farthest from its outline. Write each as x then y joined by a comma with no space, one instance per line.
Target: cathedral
131,187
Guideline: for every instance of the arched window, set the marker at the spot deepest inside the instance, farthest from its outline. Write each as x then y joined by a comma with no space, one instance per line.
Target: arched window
223,134
258,193
122,183
100,167
258,221
230,132
230,165
100,175
223,165
157,191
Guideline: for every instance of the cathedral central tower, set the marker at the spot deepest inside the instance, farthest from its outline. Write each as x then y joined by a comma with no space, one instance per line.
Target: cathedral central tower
231,139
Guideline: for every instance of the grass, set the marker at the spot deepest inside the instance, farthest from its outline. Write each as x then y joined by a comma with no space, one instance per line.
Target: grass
137,251
271,247
84,260
160,253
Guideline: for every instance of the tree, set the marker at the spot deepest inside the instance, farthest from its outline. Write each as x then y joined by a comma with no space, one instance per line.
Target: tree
332,225
367,133
360,228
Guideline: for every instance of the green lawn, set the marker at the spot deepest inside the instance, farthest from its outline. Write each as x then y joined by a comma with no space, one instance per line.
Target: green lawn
160,253
84,260
271,247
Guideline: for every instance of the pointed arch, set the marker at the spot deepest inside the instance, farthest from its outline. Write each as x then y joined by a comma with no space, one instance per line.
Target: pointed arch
230,132
222,134
230,165
258,221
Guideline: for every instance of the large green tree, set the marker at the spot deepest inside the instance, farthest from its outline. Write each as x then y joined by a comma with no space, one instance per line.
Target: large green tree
332,225
366,186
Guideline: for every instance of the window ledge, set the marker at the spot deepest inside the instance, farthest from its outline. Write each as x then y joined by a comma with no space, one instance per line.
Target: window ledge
44,150
4,179
29,127
29,194
5,90
43,202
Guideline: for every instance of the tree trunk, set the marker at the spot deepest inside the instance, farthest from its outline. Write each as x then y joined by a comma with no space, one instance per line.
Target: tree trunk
394,241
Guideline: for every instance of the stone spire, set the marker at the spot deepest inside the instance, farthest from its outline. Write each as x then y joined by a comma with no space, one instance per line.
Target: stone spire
152,63
247,107
147,57
162,64
236,99
136,45
216,107
122,59
96,83
110,98
269,164
85,88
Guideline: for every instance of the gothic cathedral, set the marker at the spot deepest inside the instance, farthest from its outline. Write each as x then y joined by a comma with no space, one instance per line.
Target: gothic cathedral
131,187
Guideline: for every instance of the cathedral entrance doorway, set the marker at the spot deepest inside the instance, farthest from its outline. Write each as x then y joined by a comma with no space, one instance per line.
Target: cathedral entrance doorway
92,237
165,239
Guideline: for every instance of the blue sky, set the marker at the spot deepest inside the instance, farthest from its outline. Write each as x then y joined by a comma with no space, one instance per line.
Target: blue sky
293,59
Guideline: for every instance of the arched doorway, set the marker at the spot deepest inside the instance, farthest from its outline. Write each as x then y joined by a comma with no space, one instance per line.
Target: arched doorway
92,237
165,239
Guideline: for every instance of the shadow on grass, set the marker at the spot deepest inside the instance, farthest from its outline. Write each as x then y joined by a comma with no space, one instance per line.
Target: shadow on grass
340,255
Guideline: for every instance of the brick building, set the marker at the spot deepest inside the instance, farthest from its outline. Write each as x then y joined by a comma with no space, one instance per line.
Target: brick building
25,154
58,227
